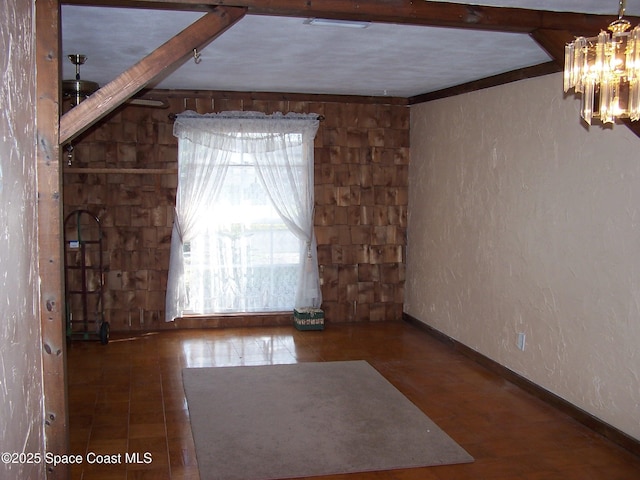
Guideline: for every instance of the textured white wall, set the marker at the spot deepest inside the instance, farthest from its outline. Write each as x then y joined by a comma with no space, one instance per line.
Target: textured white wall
21,406
523,220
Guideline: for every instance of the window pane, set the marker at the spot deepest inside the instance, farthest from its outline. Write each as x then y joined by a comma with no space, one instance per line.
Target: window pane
245,259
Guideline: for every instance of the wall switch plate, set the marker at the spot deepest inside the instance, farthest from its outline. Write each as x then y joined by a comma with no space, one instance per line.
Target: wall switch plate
521,342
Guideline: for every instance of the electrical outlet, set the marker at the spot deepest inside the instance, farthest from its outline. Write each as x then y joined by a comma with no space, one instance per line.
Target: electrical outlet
521,341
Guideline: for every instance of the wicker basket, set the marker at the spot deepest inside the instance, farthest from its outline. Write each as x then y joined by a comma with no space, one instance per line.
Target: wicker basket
308,319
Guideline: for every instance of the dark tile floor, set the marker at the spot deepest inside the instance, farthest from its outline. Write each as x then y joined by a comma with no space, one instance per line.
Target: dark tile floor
127,397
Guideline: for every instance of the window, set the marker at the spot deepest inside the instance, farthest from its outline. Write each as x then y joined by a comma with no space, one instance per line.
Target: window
243,237
244,259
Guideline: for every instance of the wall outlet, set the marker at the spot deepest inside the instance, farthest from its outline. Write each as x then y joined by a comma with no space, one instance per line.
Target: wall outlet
521,341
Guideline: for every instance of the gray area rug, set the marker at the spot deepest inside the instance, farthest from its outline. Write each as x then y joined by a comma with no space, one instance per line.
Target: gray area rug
307,419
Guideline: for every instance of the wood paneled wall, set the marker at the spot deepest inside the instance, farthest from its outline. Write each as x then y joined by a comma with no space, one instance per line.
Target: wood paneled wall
361,179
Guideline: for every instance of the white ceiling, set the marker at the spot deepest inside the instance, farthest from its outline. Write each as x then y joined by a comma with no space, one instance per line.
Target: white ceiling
279,54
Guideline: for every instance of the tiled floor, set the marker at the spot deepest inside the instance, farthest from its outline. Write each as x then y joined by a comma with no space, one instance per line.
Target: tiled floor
127,398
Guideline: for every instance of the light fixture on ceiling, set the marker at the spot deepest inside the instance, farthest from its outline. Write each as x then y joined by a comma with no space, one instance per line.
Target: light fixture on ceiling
78,90
606,71
329,22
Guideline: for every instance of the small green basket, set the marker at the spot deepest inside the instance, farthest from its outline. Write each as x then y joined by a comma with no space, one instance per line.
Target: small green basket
308,318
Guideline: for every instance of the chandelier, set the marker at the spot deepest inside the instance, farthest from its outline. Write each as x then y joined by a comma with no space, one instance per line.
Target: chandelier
606,71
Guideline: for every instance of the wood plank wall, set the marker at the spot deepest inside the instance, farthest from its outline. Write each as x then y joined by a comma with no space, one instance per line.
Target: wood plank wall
361,180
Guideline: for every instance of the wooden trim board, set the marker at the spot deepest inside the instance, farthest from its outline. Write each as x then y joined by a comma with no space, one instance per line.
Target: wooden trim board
599,426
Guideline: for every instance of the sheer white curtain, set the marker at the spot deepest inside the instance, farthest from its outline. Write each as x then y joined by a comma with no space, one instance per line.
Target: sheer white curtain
286,171
281,147
201,170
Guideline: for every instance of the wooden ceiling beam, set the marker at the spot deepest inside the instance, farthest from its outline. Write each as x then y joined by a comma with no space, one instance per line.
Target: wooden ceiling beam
552,30
553,42
488,82
162,60
426,13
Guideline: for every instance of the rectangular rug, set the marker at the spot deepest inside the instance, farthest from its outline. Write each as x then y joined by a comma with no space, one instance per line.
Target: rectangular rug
307,419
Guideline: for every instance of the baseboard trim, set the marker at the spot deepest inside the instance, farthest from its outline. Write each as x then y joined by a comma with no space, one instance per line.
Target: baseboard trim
608,431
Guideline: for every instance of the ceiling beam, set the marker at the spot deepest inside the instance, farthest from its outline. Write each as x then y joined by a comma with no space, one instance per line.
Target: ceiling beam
553,42
426,13
161,60
552,30
488,82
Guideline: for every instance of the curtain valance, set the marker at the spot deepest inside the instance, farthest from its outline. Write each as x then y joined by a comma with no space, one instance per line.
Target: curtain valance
246,132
